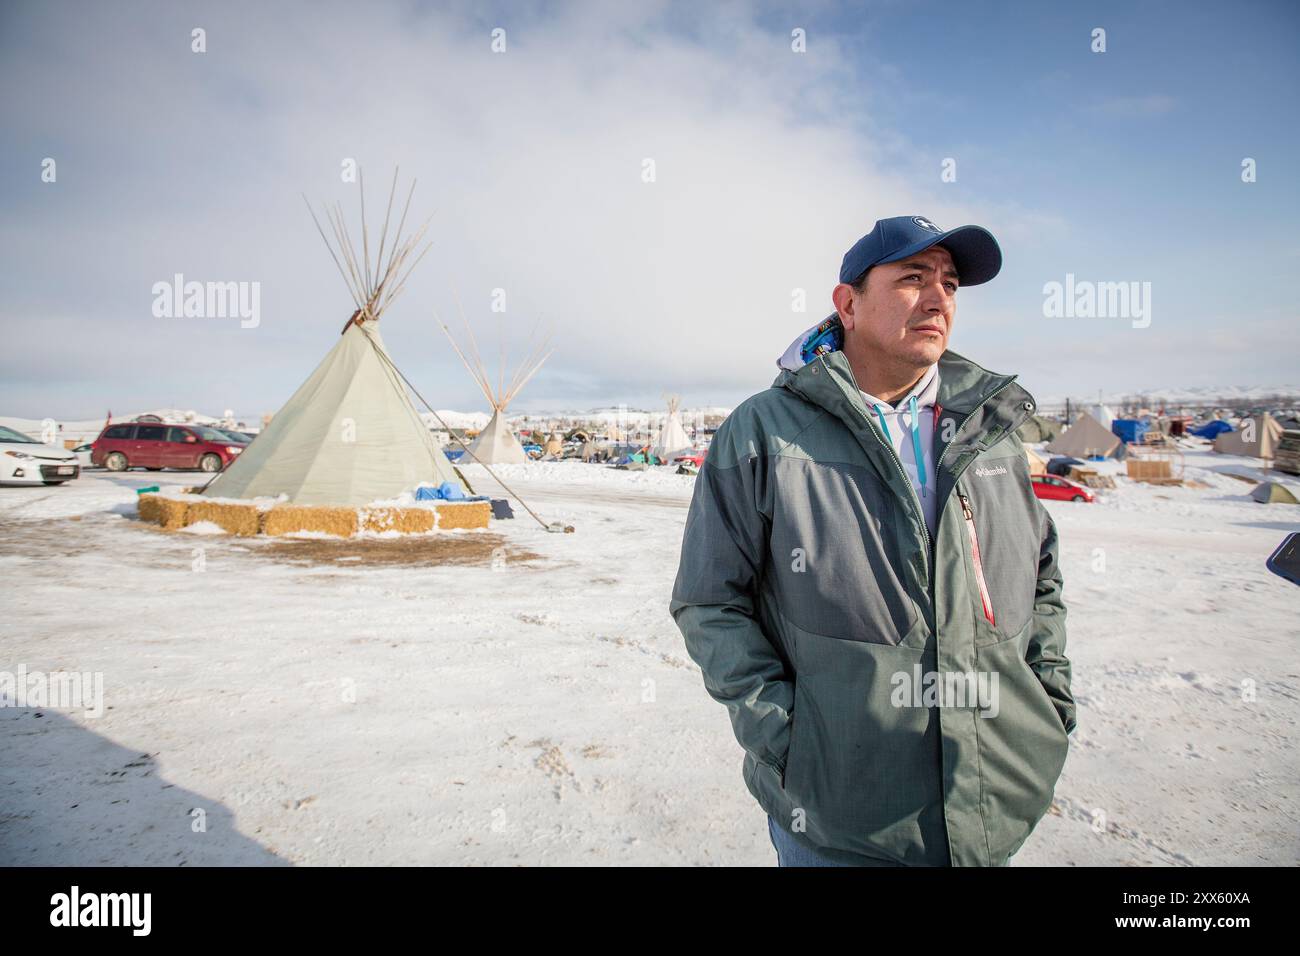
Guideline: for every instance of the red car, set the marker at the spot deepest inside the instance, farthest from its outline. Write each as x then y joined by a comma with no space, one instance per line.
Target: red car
156,446
1056,488
695,458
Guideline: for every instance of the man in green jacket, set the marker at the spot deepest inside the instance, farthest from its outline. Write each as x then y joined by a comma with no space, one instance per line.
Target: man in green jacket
870,586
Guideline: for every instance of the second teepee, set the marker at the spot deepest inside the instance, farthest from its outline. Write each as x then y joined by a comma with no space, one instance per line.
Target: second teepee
497,443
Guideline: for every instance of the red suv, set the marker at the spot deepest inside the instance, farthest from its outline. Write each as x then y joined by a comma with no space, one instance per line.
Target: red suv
1056,488
157,446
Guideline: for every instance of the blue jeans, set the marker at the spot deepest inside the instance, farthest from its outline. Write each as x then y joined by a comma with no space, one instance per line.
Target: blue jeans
790,852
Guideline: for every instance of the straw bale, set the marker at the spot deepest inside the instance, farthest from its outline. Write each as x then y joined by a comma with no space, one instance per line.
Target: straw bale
286,519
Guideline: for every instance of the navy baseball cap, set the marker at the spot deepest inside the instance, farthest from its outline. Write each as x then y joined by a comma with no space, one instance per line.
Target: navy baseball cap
974,251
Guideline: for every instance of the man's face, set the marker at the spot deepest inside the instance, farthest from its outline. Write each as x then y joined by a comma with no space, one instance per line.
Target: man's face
905,310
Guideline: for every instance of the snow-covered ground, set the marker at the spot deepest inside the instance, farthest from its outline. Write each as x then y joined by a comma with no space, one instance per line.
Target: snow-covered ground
536,705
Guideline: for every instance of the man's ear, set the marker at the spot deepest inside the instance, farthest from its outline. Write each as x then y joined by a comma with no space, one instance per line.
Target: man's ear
842,296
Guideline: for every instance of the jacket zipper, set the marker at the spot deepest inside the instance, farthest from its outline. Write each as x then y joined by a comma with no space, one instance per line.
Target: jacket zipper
969,515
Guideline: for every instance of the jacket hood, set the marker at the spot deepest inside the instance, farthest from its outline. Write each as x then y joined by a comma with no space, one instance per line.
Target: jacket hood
824,337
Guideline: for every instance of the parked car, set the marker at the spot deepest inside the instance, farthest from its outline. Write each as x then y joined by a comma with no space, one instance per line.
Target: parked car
26,461
695,458
83,455
158,446
1055,488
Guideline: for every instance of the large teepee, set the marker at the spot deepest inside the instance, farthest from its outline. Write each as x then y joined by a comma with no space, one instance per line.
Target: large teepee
349,435
497,442
672,436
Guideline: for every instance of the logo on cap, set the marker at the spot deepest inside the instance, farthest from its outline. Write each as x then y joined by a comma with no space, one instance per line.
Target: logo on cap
926,224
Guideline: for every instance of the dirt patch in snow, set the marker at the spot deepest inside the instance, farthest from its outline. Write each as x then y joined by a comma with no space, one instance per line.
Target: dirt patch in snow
406,551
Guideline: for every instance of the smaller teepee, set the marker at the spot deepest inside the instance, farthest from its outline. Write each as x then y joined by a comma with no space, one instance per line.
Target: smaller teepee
497,443
672,436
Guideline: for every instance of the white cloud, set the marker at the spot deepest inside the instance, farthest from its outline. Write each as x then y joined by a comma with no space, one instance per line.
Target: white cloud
172,161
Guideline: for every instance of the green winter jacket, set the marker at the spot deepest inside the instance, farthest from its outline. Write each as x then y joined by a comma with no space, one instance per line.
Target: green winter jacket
814,601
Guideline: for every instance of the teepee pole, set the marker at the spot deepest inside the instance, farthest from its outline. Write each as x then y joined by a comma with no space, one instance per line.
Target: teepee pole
365,232
515,377
473,346
383,236
527,367
347,258
536,368
487,391
330,249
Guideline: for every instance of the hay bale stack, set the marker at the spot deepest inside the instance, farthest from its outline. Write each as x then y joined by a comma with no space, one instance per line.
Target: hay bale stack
168,513
287,519
472,514
404,520
232,518
247,519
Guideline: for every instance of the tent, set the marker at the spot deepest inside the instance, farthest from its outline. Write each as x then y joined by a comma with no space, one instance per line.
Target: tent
1061,465
1036,428
350,434
1256,438
497,443
672,436
1087,438
1037,463
1274,493
1101,413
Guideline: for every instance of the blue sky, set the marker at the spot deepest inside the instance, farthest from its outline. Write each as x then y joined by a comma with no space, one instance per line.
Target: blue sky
1115,166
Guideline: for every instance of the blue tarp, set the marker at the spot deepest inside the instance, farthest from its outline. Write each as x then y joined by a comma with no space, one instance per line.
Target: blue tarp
1129,429
1211,430
447,491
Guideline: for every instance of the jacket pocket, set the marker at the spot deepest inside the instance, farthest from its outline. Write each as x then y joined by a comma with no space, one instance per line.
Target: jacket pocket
986,600
1022,748
834,564
794,750
862,768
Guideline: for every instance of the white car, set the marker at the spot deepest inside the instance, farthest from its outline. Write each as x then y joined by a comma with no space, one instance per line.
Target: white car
25,461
